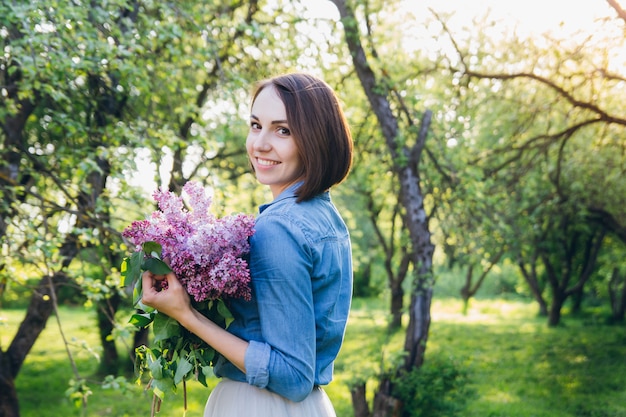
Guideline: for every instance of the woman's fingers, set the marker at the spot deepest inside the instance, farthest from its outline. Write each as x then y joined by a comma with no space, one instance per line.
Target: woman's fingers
151,287
167,299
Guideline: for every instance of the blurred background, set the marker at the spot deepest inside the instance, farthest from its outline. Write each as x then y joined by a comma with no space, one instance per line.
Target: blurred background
486,201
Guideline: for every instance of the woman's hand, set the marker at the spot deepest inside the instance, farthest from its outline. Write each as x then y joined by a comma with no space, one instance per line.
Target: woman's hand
172,300
175,302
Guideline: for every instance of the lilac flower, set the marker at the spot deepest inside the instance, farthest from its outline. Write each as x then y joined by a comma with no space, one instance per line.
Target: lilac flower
204,251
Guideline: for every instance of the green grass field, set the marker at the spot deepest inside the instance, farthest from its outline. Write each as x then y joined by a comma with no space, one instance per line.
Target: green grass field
517,366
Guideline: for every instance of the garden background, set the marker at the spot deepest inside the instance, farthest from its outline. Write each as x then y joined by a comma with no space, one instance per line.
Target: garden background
486,201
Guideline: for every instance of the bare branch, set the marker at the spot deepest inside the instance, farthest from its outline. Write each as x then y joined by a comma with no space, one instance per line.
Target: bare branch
620,11
604,116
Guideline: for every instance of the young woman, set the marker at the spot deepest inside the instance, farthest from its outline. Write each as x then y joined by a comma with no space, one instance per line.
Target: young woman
281,346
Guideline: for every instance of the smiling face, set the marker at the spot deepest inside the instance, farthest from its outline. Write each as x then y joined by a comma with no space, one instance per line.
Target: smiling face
270,144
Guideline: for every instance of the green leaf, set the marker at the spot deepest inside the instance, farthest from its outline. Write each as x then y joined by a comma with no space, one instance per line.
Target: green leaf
165,327
141,320
207,371
183,367
156,368
156,266
207,355
224,312
137,291
201,378
159,386
153,249
131,268
124,271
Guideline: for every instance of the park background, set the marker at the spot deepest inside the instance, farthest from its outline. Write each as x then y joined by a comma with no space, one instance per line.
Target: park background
486,202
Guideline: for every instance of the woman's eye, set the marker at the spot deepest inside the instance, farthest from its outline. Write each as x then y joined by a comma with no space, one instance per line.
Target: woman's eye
255,125
283,131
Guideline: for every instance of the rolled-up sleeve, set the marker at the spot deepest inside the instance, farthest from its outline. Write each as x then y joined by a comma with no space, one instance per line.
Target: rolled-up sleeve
281,265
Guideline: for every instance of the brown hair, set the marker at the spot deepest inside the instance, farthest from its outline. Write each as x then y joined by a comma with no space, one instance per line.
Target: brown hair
319,129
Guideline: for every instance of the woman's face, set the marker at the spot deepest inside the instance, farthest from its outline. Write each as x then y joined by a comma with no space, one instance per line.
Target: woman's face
271,147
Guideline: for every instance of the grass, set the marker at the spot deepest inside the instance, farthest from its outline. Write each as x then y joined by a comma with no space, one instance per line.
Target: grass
518,366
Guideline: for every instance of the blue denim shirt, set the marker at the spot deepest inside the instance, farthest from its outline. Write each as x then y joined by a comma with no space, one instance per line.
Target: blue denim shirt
301,270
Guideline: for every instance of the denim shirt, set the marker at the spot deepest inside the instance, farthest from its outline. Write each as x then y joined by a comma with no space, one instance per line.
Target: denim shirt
301,278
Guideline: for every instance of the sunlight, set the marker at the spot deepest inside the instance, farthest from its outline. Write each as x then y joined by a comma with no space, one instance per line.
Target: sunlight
500,396
530,17
569,20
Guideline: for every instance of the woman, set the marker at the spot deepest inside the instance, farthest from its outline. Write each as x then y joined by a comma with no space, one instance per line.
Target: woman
281,346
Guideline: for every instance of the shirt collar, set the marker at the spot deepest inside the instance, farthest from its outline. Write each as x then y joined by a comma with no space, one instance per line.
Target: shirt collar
289,192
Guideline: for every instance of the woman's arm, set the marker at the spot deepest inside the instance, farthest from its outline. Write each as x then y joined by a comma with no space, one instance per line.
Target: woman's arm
281,264
175,303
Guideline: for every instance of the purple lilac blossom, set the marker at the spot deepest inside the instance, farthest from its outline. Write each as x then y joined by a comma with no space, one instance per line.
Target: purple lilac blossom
204,251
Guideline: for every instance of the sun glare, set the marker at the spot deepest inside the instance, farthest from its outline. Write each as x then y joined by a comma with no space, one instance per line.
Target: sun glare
529,16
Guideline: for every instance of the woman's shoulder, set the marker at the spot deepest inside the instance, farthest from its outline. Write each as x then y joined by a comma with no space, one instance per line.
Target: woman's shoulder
316,218
311,210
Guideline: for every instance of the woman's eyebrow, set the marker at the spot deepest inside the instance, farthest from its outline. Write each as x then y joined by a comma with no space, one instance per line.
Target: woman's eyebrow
274,122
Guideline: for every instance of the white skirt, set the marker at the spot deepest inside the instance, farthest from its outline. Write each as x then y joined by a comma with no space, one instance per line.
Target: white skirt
240,399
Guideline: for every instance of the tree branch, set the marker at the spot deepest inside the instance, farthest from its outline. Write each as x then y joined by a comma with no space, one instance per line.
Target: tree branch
603,115
621,13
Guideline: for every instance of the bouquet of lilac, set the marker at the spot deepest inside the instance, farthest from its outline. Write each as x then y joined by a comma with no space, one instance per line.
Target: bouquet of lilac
208,256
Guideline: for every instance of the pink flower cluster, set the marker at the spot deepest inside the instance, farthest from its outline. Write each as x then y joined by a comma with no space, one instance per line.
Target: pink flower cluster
204,251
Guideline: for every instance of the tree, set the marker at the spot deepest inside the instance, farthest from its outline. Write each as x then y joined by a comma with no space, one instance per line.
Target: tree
548,145
85,89
31,187
377,188
406,163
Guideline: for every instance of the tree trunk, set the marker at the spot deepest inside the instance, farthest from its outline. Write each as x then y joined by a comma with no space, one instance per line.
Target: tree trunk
554,317
577,300
385,405
466,289
406,162
39,310
532,280
395,279
396,282
106,313
617,295
13,130
419,324
559,286
359,400
9,404
560,282
416,219
397,302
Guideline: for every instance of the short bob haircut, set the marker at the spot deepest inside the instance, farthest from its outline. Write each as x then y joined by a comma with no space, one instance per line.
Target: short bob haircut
319,129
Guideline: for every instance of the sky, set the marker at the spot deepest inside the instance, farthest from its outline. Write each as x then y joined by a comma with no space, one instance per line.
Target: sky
569,20
529,15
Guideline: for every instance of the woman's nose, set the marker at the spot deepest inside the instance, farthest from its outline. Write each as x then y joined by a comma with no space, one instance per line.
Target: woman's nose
261,142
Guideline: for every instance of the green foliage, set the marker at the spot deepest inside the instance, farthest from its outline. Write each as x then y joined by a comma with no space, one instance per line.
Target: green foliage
159,95
100,104
438,388
78,392
177,355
